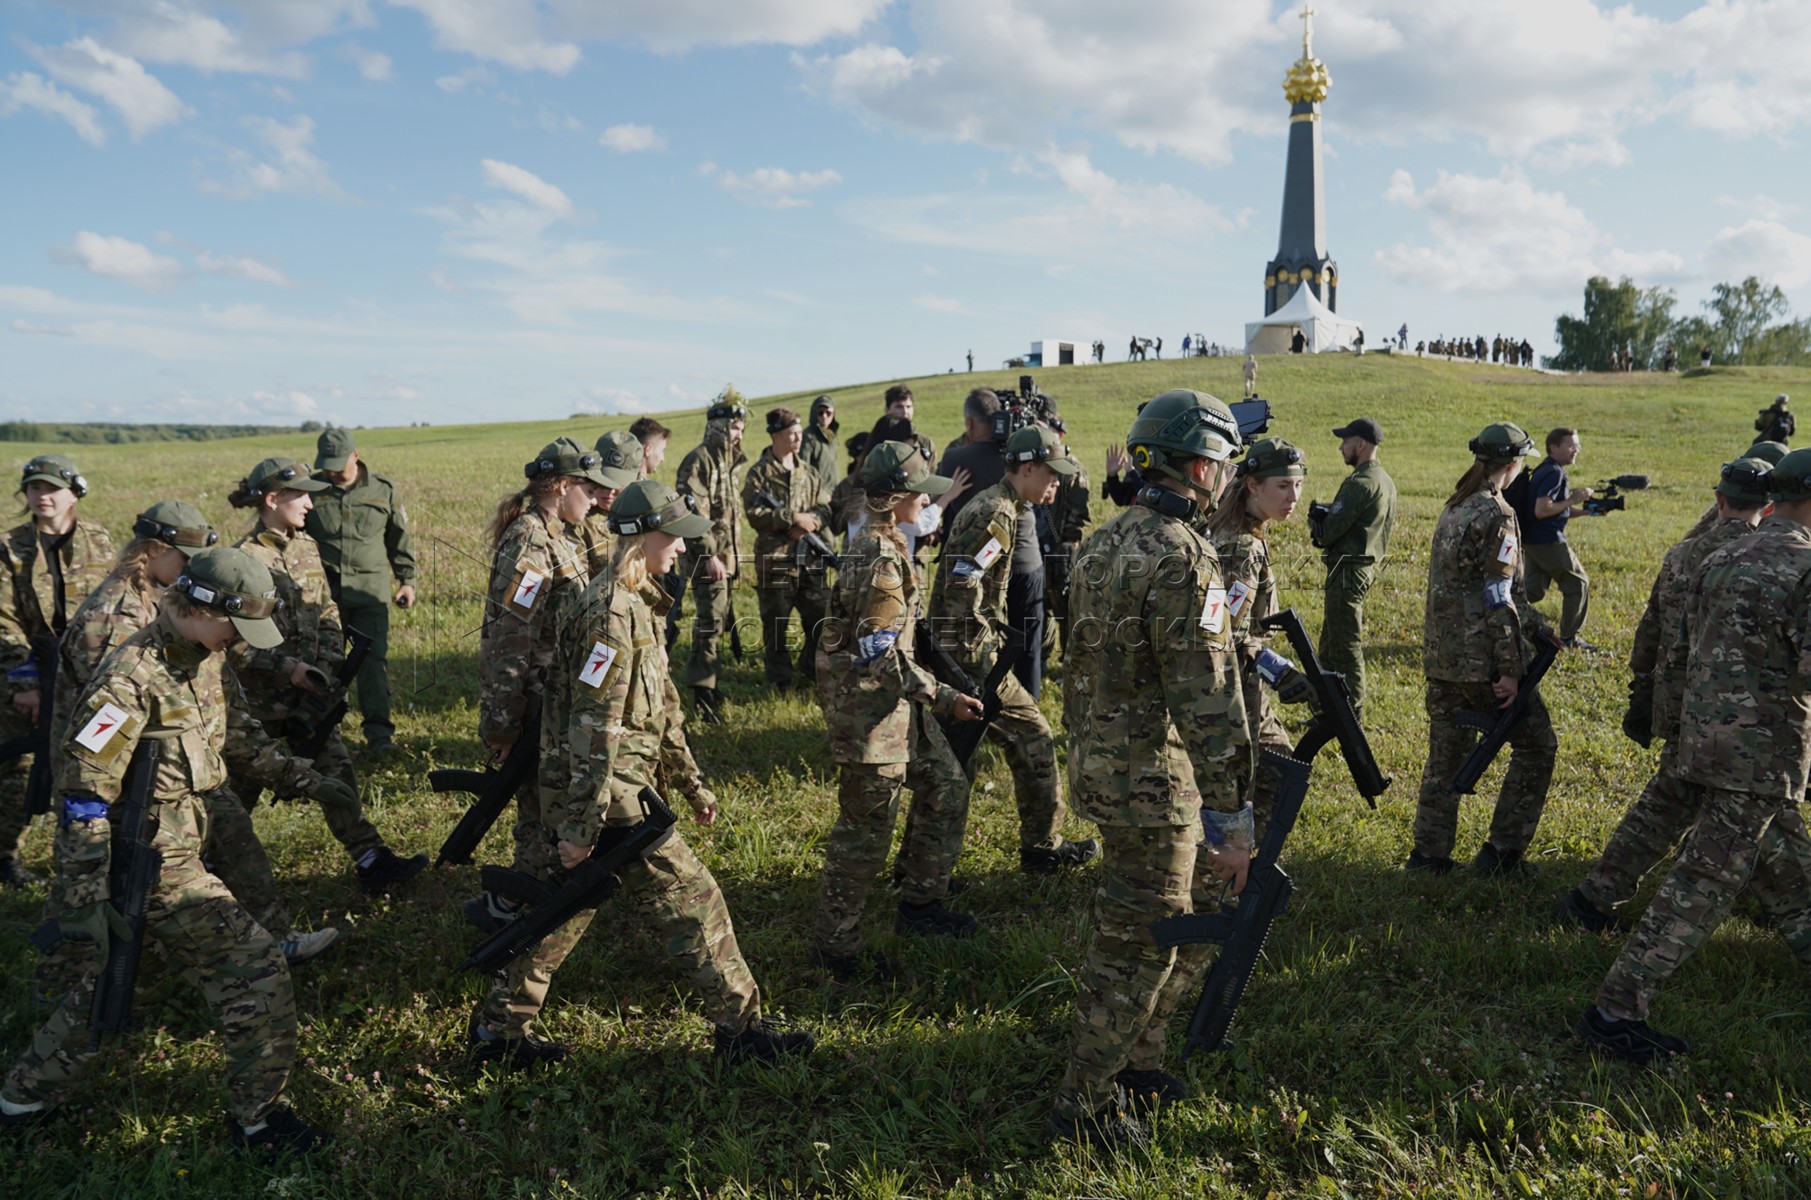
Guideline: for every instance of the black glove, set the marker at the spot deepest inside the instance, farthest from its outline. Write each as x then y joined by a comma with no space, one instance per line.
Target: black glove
1638,721
1292,687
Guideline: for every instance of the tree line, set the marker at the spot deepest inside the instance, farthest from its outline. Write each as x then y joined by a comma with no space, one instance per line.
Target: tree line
113,433
1744,324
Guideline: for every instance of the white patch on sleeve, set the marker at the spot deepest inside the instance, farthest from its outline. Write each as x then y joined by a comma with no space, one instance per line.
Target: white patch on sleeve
101,728
1213,610
597,665
1236,596
528,589
984,558
1506,552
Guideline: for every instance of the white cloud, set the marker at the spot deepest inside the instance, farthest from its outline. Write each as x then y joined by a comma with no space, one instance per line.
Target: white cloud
246,37
117,258
671,26
1760,205
241,267
1758,247
627,139
477,74
943,304
445,283
288,163
774,187
502,31
20,325
613,400
142,102
373,65
25,89
526,184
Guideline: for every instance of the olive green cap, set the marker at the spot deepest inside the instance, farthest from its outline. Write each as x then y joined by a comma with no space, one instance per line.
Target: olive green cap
232,583
1273,458
563,456
901,467
280,474
333,449
1745,480
1034,443
619,458
176,523
1502,442
1768,452
1790,479
648,506
53,468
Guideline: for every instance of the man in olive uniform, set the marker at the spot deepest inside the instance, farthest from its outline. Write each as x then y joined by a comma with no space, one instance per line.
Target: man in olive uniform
363,531
712,476
1159,758
1744,744
1063,523
1353,534
819,447
788,574
968,618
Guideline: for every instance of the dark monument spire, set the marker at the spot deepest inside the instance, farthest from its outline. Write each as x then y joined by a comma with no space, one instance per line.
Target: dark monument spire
1301,256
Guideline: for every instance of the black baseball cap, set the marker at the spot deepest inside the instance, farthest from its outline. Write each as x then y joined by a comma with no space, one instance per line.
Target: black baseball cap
1364,427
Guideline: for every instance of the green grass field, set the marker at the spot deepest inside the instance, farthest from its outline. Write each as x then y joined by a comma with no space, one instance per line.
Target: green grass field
1406,1036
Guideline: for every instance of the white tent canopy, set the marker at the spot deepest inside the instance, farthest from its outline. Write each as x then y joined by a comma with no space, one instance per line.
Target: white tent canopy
1325,329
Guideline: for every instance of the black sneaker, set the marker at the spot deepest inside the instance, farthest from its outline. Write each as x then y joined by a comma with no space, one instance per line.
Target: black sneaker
487,913
854,968
15,874
1586,915
1632,1040
708,706
1049,862
764,1040
512,1054
1427,862
1112,1128
1149,1091
387,869
1492,861
934,920
283,1133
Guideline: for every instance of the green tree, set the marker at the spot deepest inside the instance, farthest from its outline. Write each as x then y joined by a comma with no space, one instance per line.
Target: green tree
1616,316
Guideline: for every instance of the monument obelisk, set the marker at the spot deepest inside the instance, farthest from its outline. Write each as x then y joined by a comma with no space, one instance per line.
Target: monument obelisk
1301,257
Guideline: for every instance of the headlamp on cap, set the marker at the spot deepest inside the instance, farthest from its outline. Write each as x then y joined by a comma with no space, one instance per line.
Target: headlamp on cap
1269,458
50,468
727,411
1037,454
1748,476
274,481
682,506
561,464
160,531
1502,451
779,424
232,604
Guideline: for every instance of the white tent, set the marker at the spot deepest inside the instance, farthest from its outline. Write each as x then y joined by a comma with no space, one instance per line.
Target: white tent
1324,328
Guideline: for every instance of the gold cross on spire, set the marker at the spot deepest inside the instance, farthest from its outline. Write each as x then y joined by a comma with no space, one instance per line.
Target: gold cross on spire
1307,31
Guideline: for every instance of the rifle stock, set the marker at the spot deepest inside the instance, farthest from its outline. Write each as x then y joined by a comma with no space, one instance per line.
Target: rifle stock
1335,719
965,737
318,716
492,789
810,541
1497,727
131,874
44,651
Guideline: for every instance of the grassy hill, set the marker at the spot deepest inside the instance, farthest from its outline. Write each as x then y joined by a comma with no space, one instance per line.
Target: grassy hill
1407,1036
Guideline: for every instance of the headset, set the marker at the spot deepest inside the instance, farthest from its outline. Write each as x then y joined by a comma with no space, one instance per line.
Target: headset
681,507
251,608
72,478
145,527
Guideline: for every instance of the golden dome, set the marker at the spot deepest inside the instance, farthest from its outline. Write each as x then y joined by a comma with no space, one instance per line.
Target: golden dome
1307,80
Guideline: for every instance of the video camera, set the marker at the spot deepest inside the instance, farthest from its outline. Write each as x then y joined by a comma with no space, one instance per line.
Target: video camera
1609,496
1253,416
1027,406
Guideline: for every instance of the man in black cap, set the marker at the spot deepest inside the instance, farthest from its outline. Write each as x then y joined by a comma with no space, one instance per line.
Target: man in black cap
1353,534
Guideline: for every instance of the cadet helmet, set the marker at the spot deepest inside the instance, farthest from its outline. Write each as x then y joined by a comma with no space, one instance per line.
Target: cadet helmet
649,506
900,467
619,458
54,468
282,474
233,584
1034,443
1502,443
563,456
1183,423
1272,458
1790,479
333,449
177,524
1768,452
1745,481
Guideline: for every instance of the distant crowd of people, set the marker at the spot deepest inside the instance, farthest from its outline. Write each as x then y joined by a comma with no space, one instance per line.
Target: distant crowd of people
1513,351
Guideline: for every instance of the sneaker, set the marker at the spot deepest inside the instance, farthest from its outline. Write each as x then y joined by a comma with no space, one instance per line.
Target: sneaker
1112,1128
708,705
1579,910
15,874
487,913
29,1117
1632,1040
764,1040
934,920
1149,1091
298,948
386,869
282,1133
1049,862
512,1054
854,968
1427,862
1492,861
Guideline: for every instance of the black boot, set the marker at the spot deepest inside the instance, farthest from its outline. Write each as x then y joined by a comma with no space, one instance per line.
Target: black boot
1427,862
1492,861
854,968
386,869
1149,1091
708,705
763,1041
934,920
512,1054
1579,910
1631,1039
1049,862
283,1133
1112,1128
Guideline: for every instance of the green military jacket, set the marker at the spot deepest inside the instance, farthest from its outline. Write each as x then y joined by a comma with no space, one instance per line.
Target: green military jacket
1156,717
363,534
309,620
712,475
1658,658
1357,525
536,572
612,723
28,605
1477,613
819,450
798,489
968,611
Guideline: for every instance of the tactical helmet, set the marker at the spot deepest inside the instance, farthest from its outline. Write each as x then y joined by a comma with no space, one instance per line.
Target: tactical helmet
54,468
237,586
1272,458
619,458
176,524
1768,452
900,467
1502,443
1184,423
563,456
1790,479
648,505
1745,481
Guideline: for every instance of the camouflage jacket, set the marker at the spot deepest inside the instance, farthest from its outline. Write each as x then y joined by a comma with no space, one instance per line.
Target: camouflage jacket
798,490
597,542
968,611
362,532
1153,705
868,682
712,476
612,724
1251,595
309,620
1357,525
1745,724
535,575
28,599
1657,660
1069,511
1477,614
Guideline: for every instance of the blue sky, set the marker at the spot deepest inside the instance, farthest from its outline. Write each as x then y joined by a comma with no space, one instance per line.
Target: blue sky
386,211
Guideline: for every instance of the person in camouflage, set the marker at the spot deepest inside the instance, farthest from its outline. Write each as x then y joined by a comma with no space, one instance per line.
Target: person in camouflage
1266,489
1160,756
611,726
788,574
311,650
165,682
1353,534
1474,655
846,497
1769,453
619,460
48,565
1744,748
1064,523
1666,808
537,571
818,449
876,701
712,476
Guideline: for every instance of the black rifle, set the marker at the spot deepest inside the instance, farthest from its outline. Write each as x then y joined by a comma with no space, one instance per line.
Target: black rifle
37,742
131,874
735,628
316,717
810,543
492,788
1334,718
1497,724
965,736
586,886
1241,929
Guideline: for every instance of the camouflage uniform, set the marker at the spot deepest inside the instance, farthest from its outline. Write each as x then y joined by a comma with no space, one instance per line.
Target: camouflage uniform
598,543
1353,537
29,608
876,701
712,475
1157,720
968,618
1068,521
1745,745
781,585
169,689
612,725
1251,595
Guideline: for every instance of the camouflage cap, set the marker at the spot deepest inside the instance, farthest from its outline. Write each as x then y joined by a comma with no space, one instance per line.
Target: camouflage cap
282,474
1034,443
563,456
619,458
178,524
55,469
1501,443
1790,479
901,467
1744,480
1273,458
333,449
1768,452
237,586
649,506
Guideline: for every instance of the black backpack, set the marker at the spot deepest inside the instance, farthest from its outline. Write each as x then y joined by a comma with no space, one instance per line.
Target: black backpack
1517,496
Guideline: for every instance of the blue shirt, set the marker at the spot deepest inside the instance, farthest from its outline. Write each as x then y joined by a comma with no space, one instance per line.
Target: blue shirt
1550,481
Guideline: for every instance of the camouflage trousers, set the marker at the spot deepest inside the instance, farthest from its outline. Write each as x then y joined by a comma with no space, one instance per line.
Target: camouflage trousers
1533,747
1024,736
808,594
867,808
13,776
710,625
679,897
1555,562
347,822
197,924
1647,834
1129,989
1740,839
1342,644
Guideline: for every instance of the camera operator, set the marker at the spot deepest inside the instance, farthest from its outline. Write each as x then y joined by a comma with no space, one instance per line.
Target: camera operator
1552,501
1776,423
